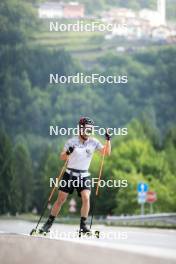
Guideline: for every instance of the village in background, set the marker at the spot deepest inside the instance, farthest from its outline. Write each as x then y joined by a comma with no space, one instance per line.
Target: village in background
143,25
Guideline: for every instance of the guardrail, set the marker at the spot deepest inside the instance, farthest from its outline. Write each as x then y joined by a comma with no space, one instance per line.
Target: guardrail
160,220
169,218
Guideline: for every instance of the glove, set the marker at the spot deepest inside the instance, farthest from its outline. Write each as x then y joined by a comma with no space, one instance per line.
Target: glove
69,150
107,136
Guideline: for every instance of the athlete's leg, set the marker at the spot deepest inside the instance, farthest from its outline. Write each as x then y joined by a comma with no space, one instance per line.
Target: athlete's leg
85,196
62,196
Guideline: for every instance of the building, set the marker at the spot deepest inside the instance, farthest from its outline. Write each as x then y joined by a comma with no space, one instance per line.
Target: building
122,13
73,10
118,14
161,33
61,10
153,17
50,10
145,24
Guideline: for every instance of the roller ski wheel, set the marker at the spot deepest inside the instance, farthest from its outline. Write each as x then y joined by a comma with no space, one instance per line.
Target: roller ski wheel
95,233
83,233
33,232
43,233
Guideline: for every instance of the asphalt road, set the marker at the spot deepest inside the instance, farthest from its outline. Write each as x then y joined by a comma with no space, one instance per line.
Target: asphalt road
148,243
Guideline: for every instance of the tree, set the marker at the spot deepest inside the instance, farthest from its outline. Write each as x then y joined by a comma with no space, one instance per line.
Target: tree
11,193
17,21
23,173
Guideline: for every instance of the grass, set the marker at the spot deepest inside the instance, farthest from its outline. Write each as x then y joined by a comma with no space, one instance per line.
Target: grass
68,40
82,45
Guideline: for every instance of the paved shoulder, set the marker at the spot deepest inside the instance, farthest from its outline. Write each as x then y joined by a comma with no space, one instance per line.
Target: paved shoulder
19,249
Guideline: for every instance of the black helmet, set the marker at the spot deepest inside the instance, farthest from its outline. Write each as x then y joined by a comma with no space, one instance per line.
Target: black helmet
85,121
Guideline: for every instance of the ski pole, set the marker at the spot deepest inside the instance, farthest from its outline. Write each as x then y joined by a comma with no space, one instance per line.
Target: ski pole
97,188
58,178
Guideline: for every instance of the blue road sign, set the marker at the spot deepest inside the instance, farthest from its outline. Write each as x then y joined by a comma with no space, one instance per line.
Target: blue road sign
142,187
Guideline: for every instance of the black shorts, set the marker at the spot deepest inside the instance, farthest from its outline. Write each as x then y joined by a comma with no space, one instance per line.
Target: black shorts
69,183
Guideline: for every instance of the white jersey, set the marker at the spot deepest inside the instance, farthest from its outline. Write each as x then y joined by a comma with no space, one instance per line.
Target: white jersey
81,157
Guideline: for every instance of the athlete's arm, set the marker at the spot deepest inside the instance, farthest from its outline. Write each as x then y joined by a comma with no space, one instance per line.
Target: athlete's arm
64,154
106,148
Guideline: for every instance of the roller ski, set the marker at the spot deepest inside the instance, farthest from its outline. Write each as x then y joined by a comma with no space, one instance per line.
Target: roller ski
45,229
39,232
85,231
35,232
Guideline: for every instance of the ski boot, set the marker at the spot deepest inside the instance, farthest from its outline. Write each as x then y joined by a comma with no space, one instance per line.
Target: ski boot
83,227
84,230
46,227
